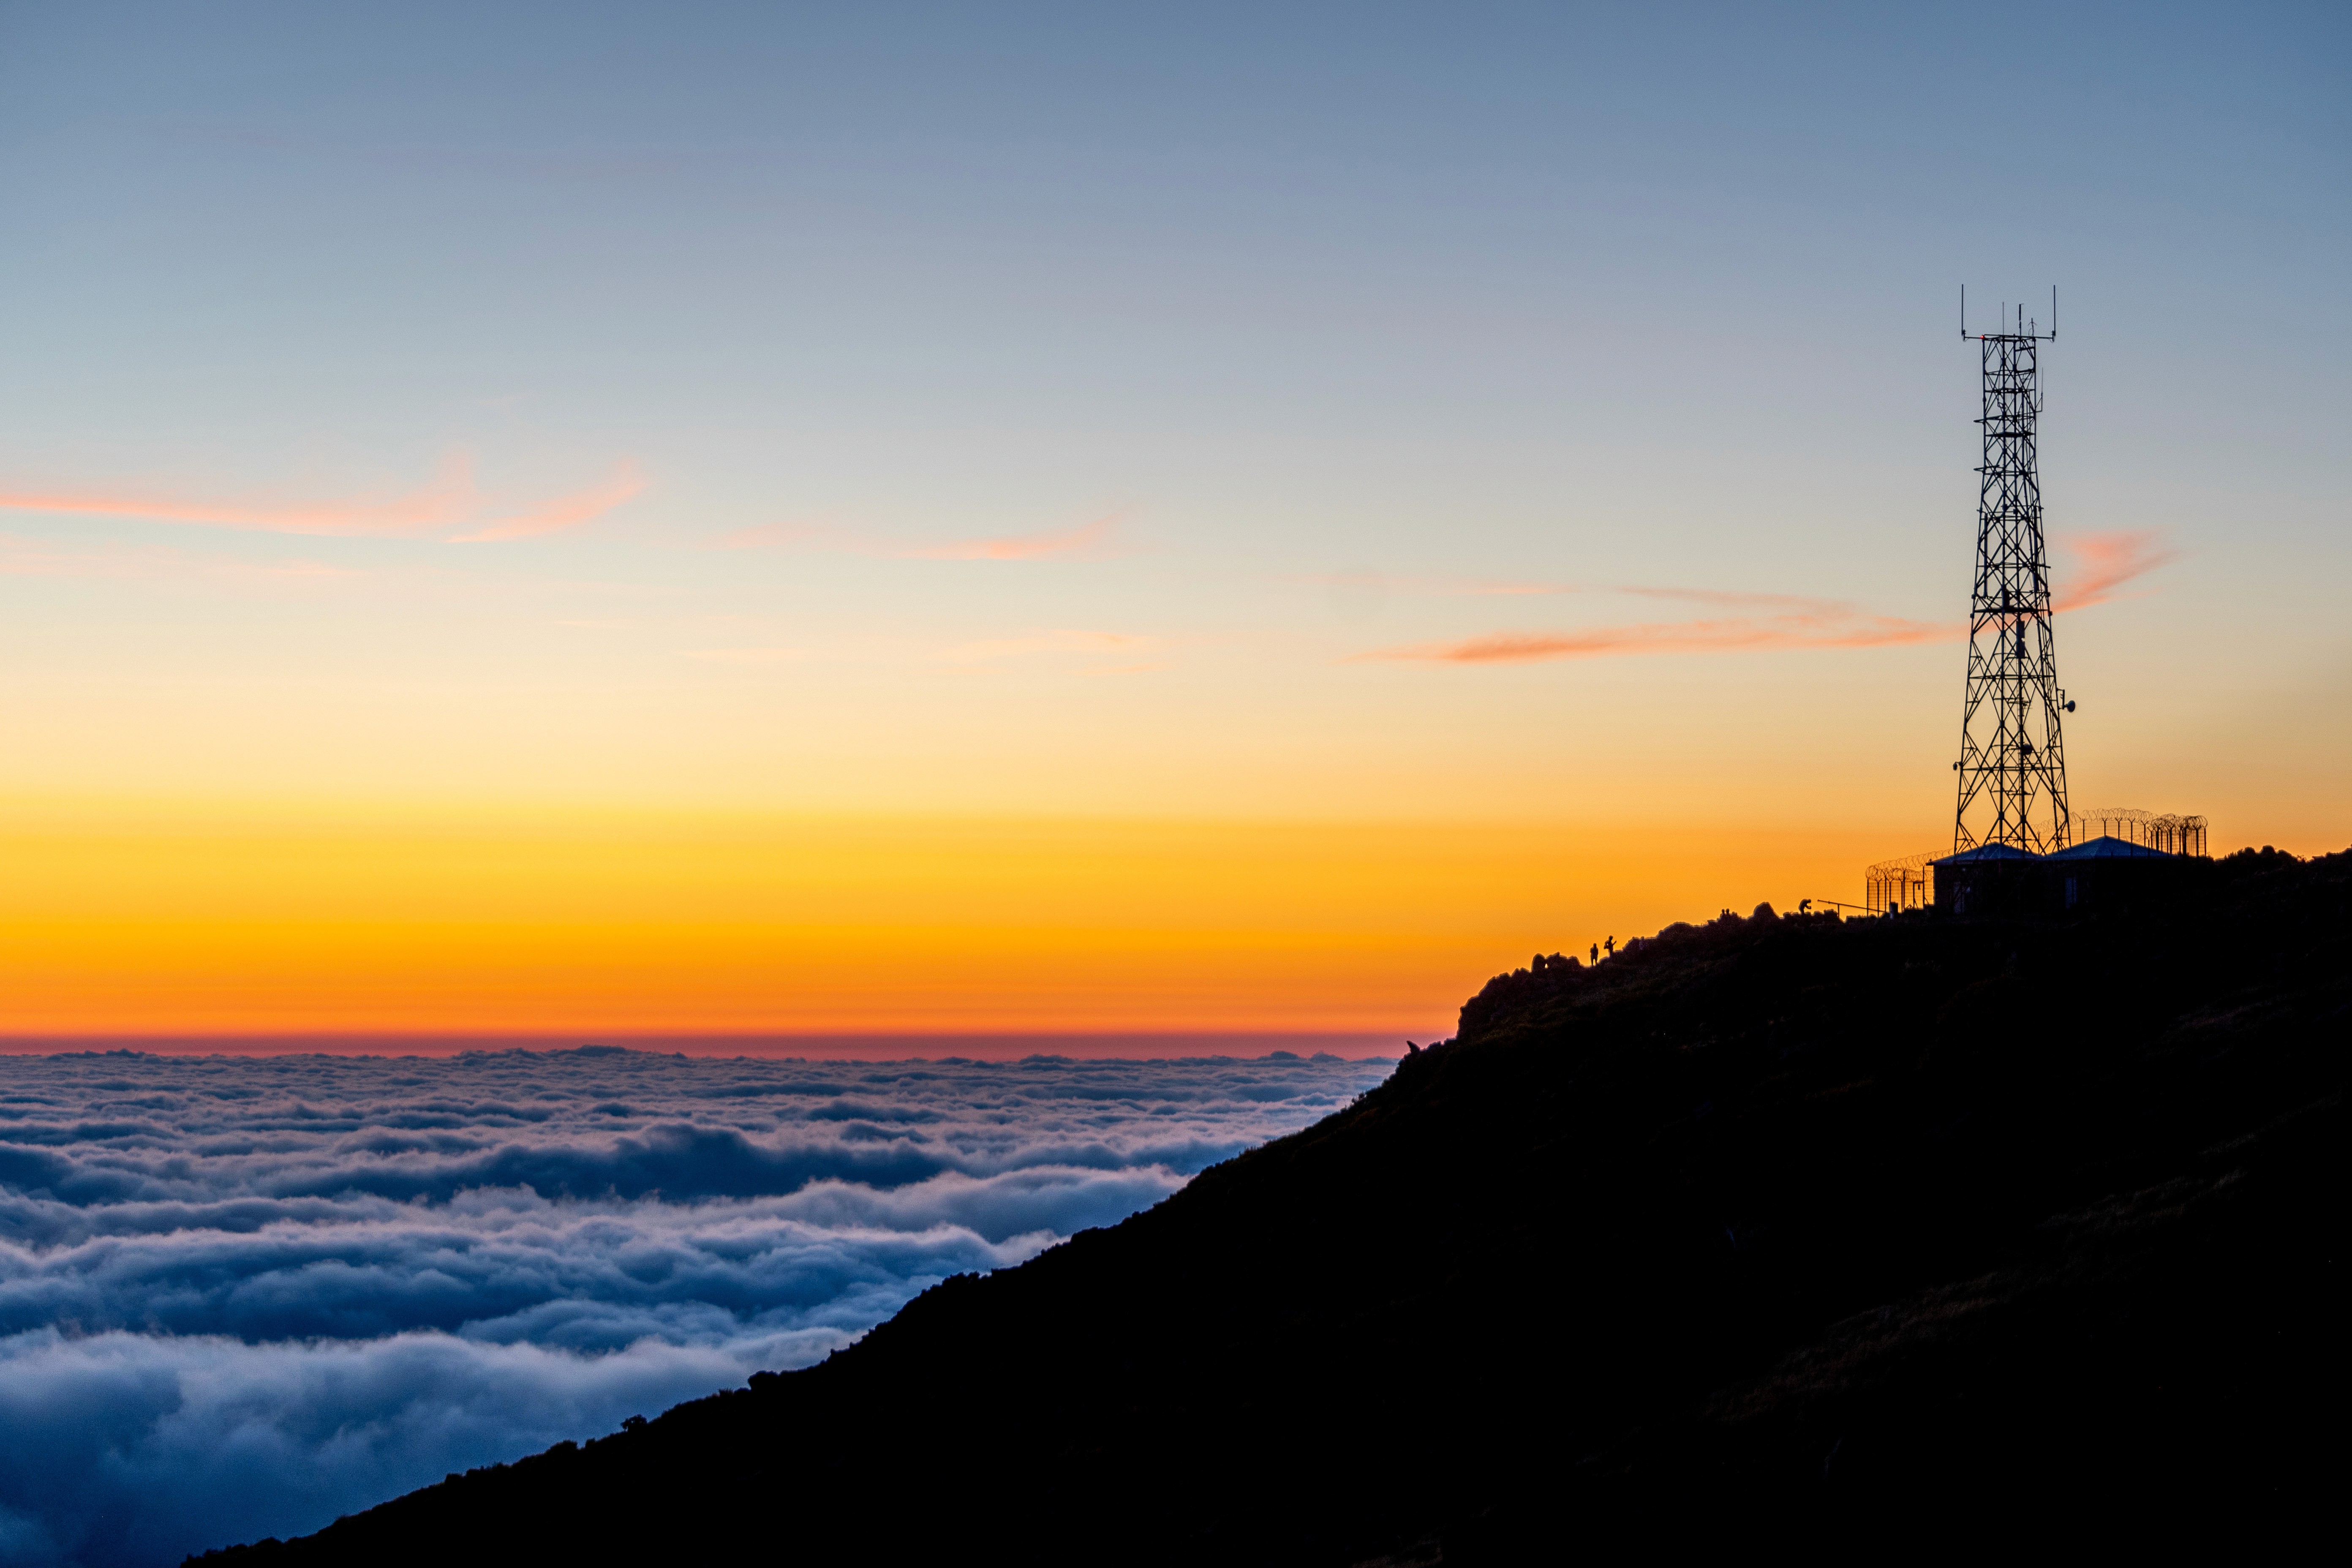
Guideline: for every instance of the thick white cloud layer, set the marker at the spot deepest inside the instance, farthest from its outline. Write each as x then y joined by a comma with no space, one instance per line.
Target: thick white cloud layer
240,1296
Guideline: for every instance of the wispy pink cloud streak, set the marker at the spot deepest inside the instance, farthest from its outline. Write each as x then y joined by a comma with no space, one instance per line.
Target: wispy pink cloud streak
447,503
564,512
1089,541
1731,634
2108,560
1084,543
2105,562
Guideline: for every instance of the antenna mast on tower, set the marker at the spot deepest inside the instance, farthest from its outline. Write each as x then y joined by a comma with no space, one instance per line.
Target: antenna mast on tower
2013,766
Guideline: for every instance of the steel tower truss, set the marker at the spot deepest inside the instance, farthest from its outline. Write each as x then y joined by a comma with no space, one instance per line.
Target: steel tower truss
2013,766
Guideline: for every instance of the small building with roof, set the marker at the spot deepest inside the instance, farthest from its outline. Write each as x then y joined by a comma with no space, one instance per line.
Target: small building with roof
1991,879
2105,872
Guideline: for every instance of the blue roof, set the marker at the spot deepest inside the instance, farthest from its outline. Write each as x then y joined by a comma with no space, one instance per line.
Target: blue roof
1984,852
2110,848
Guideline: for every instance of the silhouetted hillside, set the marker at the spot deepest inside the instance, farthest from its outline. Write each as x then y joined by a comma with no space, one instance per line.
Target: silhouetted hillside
1770,1225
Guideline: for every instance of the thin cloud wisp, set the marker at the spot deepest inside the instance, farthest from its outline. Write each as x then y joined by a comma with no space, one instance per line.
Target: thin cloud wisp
448,507
2107,561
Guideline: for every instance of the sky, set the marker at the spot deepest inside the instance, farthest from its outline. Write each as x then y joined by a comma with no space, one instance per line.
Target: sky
738,522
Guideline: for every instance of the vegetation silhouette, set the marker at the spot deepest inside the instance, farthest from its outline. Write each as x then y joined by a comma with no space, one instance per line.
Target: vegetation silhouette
1766,1229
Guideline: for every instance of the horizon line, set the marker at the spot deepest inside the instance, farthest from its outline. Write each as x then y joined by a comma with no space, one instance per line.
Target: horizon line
997,1045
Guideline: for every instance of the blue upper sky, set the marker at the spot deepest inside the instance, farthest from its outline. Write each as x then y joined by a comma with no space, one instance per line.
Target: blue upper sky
1342,318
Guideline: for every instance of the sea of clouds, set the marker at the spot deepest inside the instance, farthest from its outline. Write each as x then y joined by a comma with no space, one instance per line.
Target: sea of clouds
242,1296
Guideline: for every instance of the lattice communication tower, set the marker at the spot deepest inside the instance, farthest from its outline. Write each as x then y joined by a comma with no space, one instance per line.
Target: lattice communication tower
2012,765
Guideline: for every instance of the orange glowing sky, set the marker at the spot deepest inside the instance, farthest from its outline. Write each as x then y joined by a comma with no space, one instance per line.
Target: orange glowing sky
139,920
787,535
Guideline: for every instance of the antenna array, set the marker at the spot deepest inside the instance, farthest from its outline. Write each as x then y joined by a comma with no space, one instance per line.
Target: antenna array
2012,763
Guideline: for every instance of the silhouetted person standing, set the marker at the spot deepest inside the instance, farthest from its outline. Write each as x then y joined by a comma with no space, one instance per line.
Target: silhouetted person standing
1596,953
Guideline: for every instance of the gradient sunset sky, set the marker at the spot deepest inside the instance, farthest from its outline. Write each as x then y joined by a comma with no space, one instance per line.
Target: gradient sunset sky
744,520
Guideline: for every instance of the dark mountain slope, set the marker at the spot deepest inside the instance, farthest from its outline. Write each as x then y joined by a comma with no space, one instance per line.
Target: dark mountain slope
1768,1224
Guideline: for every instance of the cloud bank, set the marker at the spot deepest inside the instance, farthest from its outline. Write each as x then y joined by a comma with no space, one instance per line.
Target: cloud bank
239,1296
